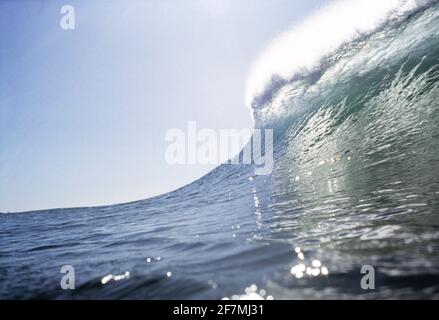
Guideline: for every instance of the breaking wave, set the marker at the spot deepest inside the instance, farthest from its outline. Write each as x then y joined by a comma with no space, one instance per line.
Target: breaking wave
352,95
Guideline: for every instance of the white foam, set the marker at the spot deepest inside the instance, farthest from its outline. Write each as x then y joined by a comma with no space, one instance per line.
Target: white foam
303,46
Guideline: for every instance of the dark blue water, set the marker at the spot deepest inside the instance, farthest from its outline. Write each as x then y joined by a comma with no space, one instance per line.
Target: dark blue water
355,182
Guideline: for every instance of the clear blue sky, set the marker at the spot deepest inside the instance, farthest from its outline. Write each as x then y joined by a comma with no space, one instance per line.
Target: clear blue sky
83,113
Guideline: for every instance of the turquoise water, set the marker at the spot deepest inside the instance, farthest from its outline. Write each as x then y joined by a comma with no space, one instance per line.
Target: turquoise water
355,182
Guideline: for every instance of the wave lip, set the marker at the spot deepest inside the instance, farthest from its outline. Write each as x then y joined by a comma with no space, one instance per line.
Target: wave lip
301,51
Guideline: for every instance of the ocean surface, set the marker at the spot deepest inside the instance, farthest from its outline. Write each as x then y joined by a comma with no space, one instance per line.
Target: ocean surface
355,182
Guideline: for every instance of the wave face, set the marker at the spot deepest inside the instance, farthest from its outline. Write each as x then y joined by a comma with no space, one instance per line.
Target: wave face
354,183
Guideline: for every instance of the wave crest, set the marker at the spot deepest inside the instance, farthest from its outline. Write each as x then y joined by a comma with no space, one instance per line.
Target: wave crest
300,52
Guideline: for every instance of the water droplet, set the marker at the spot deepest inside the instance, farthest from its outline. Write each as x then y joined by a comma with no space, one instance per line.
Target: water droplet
316,263
315,272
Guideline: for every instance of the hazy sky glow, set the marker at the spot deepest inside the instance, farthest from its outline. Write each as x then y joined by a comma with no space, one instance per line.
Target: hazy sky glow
83,113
